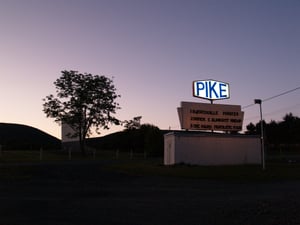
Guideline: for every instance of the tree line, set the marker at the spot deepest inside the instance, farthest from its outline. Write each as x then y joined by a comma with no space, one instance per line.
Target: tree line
283,134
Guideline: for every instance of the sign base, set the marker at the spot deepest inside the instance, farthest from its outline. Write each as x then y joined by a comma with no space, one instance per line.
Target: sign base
209,149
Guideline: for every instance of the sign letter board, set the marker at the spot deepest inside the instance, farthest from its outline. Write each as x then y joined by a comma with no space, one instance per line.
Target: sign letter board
210,89
203,116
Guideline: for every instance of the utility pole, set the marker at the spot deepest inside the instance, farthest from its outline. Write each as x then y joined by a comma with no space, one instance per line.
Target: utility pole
259,101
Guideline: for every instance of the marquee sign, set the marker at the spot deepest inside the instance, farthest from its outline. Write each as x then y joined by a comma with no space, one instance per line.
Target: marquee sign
210,89
205,116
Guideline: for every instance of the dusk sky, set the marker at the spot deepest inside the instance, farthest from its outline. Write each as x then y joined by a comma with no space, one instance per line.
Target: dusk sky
154,50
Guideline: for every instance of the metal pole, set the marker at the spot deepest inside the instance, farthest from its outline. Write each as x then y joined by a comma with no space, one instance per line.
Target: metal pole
212,102
262,139
259,101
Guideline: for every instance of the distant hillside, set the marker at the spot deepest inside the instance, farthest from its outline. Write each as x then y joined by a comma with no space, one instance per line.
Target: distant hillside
22,137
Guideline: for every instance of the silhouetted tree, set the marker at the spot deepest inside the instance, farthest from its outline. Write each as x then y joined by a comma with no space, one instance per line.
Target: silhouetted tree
135,123
251,129
282,132
153,139
273,132
83,101
143,137
291,127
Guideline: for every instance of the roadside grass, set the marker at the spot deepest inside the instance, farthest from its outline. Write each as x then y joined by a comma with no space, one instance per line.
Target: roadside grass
278,171
20,164
15,173
13,165
26,156
29,156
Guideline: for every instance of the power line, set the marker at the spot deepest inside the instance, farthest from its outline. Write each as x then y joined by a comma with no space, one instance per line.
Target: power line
275,96
274,112
286,92
247,106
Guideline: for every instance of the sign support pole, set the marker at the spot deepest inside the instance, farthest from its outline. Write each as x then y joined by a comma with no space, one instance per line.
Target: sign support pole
259,101
212,102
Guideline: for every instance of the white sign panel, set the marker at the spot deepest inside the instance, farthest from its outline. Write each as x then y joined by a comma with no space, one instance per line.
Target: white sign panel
204,116
210,89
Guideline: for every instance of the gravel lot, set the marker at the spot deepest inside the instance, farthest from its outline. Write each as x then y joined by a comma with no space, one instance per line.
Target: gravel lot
86,194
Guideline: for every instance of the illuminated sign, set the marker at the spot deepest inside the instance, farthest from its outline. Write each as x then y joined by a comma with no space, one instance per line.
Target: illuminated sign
210,89
205,116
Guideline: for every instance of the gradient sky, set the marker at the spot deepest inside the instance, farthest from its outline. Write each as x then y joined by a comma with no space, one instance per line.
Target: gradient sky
154,49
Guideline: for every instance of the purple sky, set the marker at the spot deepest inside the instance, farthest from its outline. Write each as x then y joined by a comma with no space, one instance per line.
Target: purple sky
154,49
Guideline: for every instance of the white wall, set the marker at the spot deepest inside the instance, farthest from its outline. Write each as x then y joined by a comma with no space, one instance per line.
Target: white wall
211,149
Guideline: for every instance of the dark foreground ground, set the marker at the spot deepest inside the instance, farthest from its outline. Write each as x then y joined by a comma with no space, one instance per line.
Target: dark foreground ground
87,194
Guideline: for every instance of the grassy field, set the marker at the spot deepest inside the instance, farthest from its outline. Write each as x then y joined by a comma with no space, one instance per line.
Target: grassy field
125,188
273,171
140,165
20,156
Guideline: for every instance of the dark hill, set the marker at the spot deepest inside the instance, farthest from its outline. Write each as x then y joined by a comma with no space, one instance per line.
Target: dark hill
22,137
